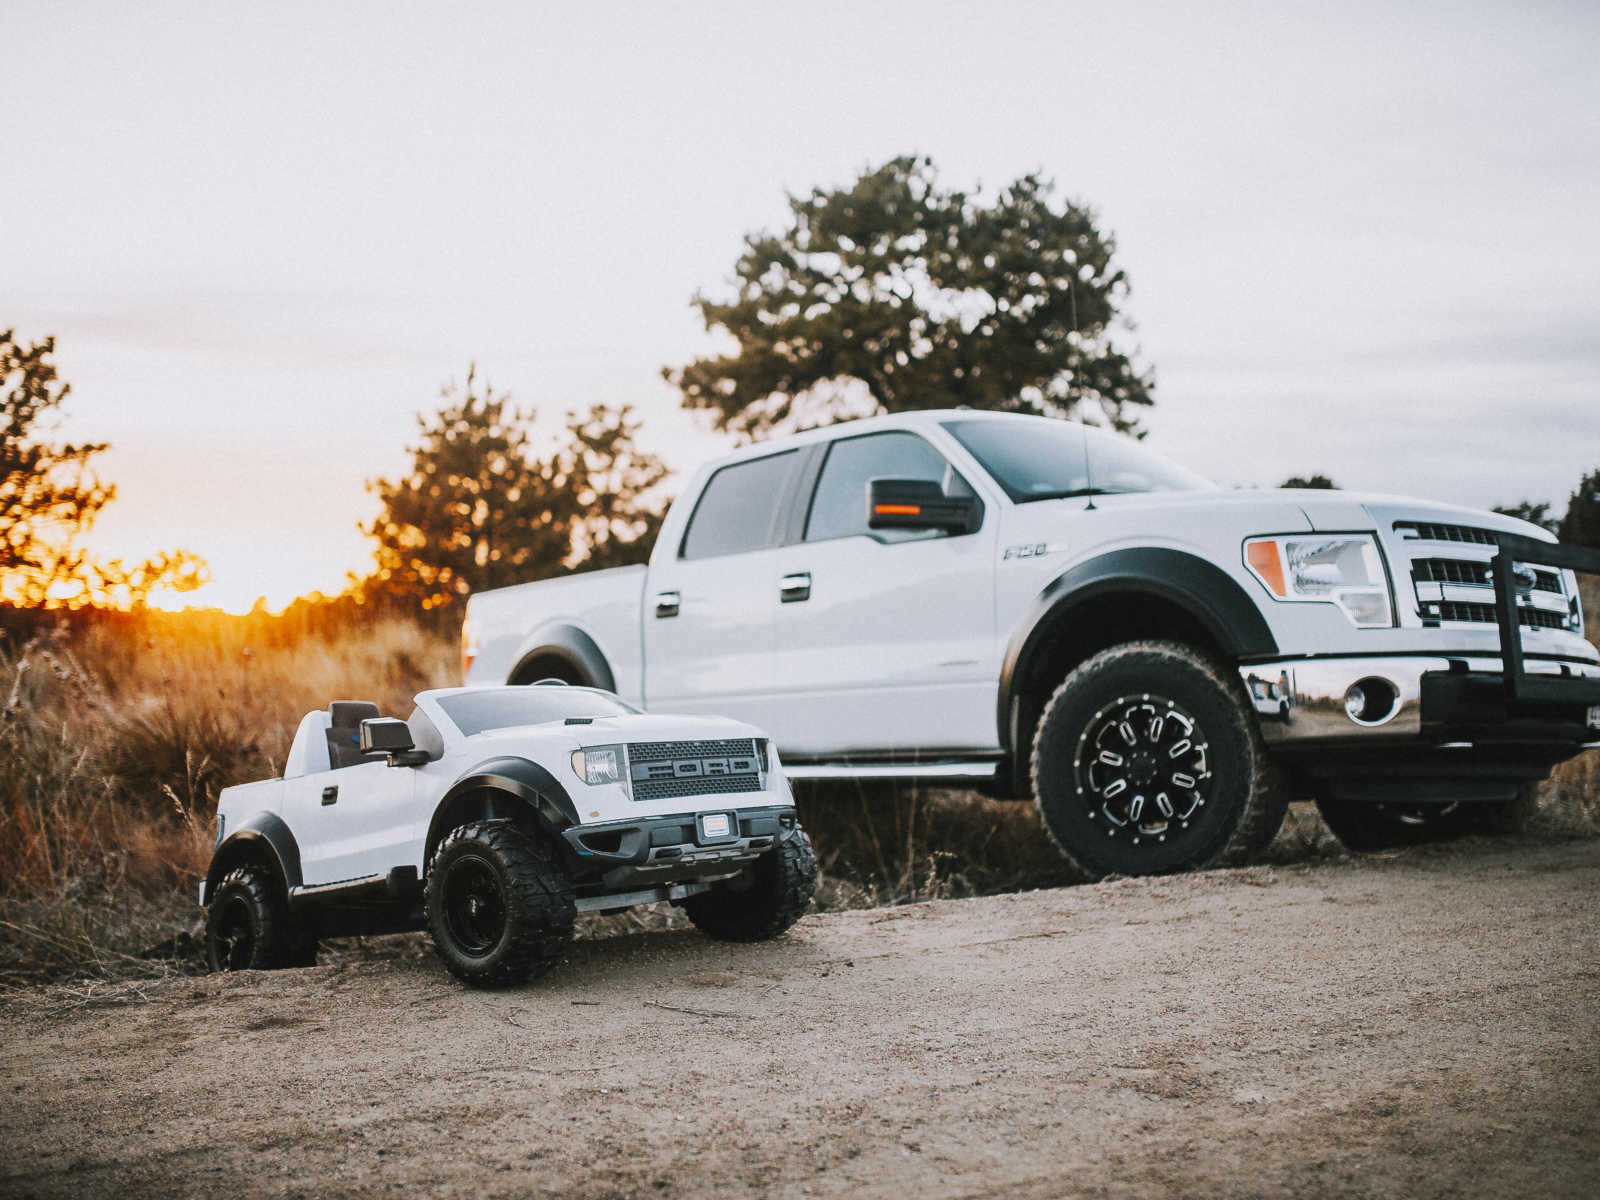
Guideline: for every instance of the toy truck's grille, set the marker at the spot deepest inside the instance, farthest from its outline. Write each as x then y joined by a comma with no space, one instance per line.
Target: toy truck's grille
1460,590
664,770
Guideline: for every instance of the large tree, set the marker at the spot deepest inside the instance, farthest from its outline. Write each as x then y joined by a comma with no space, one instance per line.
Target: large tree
1581,525
484,505
896,293
50,496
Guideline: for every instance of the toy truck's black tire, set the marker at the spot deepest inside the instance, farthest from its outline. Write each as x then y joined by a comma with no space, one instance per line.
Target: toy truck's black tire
1147,760
248,927
763,901
499,909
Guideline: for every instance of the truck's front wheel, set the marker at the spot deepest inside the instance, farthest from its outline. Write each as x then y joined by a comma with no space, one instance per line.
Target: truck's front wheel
1146,760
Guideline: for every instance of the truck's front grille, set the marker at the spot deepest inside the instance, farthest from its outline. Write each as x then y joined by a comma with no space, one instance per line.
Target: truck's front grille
663,770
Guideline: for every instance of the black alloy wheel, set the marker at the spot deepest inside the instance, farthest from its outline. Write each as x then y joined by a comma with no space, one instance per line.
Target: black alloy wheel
1142,768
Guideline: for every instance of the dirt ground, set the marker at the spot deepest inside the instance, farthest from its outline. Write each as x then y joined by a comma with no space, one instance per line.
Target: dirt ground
1417,1024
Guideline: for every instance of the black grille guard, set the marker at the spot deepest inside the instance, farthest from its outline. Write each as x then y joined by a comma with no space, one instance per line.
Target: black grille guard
1523,689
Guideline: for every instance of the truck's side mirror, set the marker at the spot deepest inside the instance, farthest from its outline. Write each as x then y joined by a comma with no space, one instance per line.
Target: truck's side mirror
391,736
919,504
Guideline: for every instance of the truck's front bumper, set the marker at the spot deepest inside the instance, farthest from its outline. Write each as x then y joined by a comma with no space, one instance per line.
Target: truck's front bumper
651,851
1429,699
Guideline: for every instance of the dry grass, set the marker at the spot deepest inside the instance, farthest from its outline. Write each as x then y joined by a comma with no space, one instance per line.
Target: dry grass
116,737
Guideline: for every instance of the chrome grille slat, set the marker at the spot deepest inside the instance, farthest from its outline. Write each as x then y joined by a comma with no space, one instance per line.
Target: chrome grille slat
1483,614
1474,573
1433,531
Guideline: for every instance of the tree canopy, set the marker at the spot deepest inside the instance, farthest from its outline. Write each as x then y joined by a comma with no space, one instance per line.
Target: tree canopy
483,506
50,497
896,293
1581,525
1317,481
1528,510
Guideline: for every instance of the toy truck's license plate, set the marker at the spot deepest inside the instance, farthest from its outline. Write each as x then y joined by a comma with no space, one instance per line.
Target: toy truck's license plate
714,825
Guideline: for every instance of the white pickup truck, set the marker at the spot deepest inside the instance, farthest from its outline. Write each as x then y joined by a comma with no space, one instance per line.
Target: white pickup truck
1043,610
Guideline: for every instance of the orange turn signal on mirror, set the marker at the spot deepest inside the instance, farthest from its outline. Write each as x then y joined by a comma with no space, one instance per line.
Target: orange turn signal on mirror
897,510
1267,563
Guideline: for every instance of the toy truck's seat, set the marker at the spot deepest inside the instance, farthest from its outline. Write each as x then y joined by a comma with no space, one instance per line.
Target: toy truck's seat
344,731
328,738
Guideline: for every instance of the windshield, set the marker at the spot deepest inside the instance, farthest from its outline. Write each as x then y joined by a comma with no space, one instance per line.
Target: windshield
1049,460
504,708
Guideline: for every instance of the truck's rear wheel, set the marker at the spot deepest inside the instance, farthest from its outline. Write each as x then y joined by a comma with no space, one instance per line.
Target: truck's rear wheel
498,909
1147,760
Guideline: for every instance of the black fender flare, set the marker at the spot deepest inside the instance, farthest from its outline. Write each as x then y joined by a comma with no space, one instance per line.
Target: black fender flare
575,648
522,778
266,830
1208,593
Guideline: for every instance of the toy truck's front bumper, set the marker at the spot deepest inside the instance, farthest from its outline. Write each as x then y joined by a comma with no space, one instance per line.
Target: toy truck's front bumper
651,851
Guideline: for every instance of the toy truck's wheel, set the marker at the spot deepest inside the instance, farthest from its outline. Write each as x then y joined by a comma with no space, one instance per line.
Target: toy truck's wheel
765,899
248,927
1147,760
499,910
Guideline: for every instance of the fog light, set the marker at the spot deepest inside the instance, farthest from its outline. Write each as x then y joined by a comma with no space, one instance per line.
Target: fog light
1371,701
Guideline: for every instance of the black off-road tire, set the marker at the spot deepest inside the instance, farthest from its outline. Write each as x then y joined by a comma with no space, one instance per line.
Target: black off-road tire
1196,786
1367,825
248,926
498,907
768,897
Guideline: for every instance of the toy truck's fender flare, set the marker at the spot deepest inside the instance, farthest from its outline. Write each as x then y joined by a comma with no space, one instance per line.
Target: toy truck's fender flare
264,832
570,646
531,792
1201,588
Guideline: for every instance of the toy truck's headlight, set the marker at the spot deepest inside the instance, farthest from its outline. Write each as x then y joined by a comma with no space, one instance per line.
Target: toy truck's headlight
1342,568
601,764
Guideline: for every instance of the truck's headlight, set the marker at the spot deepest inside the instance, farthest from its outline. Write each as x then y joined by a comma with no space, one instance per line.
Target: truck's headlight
600,764
1339,568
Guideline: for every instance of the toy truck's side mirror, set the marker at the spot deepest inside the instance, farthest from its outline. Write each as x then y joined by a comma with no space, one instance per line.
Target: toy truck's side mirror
919,504
391,736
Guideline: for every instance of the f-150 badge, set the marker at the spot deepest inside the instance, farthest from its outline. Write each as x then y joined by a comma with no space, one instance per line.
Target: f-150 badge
1032,550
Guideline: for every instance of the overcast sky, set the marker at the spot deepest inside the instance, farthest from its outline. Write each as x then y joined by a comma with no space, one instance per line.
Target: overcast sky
1362,241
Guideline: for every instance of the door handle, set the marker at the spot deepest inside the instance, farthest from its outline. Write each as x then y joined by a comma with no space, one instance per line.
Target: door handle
795,588
667,604
330,795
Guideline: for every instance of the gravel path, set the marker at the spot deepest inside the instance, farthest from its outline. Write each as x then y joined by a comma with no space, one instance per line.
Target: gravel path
1420,1024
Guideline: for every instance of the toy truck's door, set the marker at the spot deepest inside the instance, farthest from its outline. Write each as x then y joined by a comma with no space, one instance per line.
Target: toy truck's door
351,823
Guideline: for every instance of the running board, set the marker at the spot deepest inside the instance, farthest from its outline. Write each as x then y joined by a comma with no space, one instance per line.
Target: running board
925,770
621,900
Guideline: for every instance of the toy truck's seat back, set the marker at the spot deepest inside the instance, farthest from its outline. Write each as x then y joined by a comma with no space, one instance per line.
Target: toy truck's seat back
344,731
328,739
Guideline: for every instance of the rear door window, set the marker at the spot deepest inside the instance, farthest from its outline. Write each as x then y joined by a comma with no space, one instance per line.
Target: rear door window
738,510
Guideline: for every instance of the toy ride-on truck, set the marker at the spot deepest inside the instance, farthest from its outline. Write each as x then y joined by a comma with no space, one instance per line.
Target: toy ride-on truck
491,817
